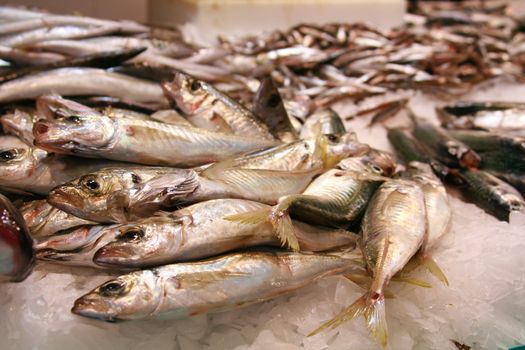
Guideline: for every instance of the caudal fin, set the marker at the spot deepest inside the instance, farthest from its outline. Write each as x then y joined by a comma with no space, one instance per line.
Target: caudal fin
372,307
251,218
283,226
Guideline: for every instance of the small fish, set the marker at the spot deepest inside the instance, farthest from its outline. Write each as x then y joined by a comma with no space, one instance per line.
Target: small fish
337,197
43,219
444,147
438,210
217,284
92,134
393,230
16,247
491,194
200,231
269,106
324,121
209,108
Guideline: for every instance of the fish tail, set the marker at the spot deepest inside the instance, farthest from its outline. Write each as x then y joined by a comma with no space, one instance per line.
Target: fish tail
283,226
251,218
433,268
372,307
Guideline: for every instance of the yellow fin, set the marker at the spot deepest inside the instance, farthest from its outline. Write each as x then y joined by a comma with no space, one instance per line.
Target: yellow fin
374,311
284,227
433,268
413,281
251,218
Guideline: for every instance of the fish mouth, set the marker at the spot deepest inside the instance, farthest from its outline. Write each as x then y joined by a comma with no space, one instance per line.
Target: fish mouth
66,198
92,307
116,256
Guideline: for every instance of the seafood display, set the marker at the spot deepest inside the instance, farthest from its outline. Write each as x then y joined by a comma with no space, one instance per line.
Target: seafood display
205,179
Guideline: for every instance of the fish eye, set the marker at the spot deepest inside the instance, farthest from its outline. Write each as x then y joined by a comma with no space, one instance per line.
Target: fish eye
376,169
195,85
112,288
73,119
8,155
333,138
132,234
91,183
135,178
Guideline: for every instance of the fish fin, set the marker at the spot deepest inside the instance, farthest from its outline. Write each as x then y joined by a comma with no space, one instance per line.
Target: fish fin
285,231
433,268
412,281
251,218
373,310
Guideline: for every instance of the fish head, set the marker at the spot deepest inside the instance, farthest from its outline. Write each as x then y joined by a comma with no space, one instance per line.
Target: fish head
187,92
19,123
18,160
135,295
337,147
466,157
378,162
86,196
76,134
140,244
54,107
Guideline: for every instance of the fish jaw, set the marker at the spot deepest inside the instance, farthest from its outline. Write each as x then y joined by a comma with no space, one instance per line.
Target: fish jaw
72,200
185,97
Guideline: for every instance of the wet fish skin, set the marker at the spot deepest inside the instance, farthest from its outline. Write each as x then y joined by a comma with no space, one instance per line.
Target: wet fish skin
200,231
269,106
491,194
74,247
43,219
86,196
17,258
146,142
209,108
221,283
83,81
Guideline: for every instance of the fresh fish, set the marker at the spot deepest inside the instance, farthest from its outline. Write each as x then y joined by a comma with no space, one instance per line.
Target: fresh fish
209,108
200,231
336,198
16,246
393,230
103,59
75,247
43,219
444,147
494,116
325,121
93,134
83,81
86,196
34,170
499,152
269,106
216,284
438,210
491,194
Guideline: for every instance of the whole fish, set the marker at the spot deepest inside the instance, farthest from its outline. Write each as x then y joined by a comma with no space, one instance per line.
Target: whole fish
76,246
86,196
269,106
43,219
216,284
211,109
200,231
16,246
438,210
93,134
393,230
83,81
494,116
491,194
336,198
444,147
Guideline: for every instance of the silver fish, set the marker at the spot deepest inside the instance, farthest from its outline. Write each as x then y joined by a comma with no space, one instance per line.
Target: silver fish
222,283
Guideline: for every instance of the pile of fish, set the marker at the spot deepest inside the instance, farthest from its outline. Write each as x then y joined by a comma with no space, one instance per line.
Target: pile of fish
213,178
